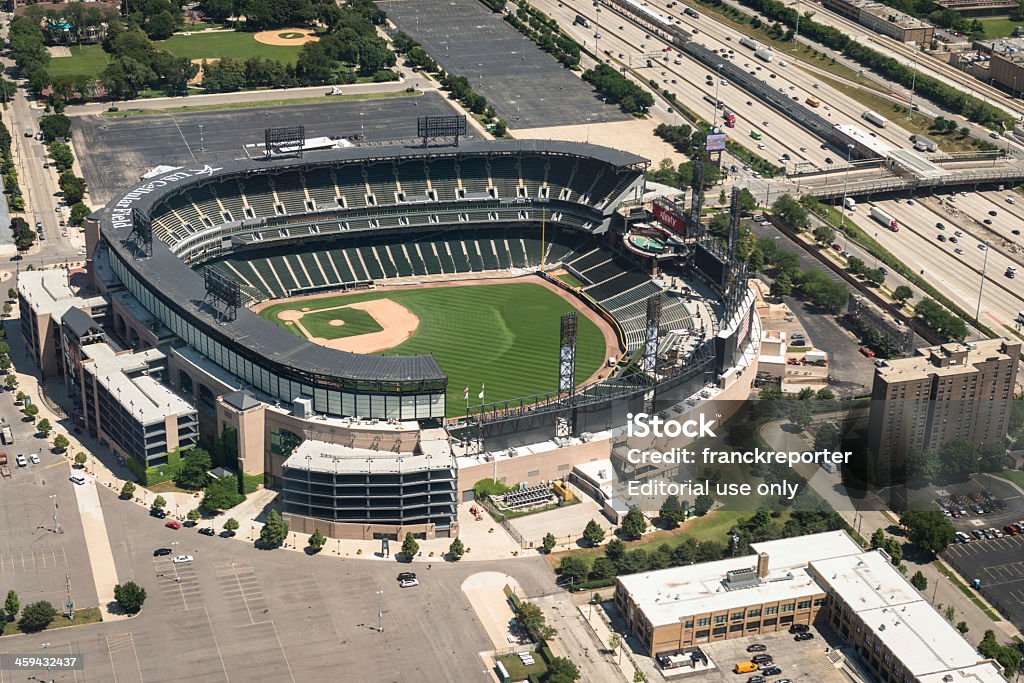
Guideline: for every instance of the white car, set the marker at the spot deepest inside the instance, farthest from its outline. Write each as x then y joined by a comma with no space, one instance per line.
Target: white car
77,479
724,82
181,559
760,145
34,458
409,583
20,459
1011,200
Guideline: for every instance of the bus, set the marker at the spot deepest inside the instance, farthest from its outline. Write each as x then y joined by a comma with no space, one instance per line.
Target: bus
811,102
755,134
8,437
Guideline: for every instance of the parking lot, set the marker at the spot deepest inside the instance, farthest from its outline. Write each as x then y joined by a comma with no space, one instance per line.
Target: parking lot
115,152
238,613
999,564
799,661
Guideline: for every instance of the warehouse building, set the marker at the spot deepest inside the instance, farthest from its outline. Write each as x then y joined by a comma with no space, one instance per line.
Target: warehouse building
884,20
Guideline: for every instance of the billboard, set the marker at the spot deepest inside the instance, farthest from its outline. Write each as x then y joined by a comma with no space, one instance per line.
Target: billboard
669,216
715,142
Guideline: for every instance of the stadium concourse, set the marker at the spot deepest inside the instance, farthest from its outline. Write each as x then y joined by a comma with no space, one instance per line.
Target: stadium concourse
162,350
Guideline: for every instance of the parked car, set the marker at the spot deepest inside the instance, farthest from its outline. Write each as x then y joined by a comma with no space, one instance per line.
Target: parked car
207,531
172,525
20,459
77,479
870,354
406,576
182,559
160,552
803,636
157,512
409,583
757,647
799,628
771,671
762,659
34,458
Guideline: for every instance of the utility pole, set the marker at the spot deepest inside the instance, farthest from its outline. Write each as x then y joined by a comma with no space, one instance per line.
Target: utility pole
380,611
56,526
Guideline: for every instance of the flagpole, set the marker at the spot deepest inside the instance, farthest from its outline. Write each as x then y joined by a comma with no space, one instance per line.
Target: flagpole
542,234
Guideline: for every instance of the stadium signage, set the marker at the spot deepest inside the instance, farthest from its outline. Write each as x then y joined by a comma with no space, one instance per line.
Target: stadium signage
121,214
669,218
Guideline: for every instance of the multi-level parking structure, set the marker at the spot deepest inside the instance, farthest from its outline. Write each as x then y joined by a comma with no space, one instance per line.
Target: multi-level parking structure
201,216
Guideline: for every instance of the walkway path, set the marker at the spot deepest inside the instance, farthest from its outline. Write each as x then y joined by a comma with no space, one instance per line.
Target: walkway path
101,557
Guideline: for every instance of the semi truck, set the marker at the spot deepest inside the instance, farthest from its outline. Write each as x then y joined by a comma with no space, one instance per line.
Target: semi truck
875,118
764,55
711,100
885,219
746,41
729,117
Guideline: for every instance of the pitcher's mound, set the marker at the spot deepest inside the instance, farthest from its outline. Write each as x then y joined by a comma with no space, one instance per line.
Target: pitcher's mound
337,323
286,37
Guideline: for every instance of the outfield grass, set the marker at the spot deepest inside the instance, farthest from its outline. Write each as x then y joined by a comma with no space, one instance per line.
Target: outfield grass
504,336
90,60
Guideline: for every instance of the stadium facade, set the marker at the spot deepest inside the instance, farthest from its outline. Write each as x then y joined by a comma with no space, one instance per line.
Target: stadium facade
175,263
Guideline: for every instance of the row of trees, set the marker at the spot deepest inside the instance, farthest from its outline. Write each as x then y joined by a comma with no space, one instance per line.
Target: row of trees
462,91
29,52
15,200
936,318
34,617
929,87
617,89
682,176
545,32
953,462
415,56
619,560
263,14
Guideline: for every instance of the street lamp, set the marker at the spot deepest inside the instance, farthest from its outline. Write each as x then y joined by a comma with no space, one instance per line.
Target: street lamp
202,145
362,131
718,83
981,285
380,611
796,33
913,84
846,177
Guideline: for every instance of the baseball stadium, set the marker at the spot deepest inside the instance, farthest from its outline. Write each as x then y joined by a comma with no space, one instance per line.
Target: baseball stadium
371,329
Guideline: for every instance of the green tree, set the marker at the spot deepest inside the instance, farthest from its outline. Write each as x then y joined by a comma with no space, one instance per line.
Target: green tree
949,613
959,459
55,126
919,581
61,442
195,469
824,235
702,505
127,491
672,512
130,596
549,542
36,616
20,398
877,539
790,212
782,285
317,540
634,524
573,569
902,294
562,670
639,676
500,128
410,547
61,155
962,627
456,550
531,618
11,380
44,427
11,606
615,550
193,515
929,530
231,525
159,502
79,212
222,494
603,568
747,201
274,531
74,187
593,534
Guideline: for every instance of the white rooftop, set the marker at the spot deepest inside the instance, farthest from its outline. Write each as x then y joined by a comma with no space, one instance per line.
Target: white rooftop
668,594
861,136
142,396
866,581
979,673
921,638
48,292
320,456
917,164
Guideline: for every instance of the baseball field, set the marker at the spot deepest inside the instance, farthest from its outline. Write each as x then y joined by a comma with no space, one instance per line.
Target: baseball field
501,336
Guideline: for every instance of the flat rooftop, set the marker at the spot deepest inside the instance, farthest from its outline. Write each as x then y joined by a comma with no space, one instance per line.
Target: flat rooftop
866,581
979,673
142,396
48,292
889,14
667,594
862,137
917,164
1011,48
332,458
922,639
947,360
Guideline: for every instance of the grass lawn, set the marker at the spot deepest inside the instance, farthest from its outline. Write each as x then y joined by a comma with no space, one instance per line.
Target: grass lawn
90,60
711,527
999,27
87,615
167,487
1016,476
504,336
517,671
570,279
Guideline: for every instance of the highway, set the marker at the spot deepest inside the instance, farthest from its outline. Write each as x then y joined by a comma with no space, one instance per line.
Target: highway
954,268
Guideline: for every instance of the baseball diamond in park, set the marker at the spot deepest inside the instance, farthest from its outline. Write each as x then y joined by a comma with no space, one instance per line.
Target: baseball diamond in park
375,232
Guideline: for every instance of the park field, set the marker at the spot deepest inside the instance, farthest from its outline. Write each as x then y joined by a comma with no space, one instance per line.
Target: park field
90,60
504,336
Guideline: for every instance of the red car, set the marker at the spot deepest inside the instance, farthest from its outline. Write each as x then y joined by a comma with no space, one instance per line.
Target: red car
867,352
172,525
